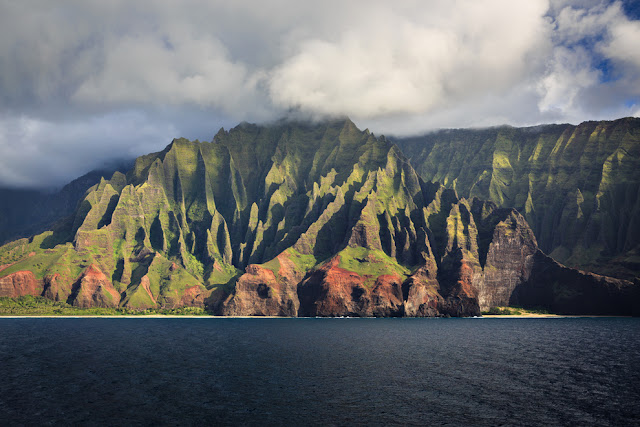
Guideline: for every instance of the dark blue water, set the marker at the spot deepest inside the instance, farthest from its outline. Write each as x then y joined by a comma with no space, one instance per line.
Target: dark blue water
114,371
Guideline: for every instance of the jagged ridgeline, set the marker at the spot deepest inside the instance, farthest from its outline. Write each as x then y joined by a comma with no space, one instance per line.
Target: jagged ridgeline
295,219
577,186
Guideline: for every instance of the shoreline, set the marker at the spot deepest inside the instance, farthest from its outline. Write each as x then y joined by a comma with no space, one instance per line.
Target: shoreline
186,316
549,316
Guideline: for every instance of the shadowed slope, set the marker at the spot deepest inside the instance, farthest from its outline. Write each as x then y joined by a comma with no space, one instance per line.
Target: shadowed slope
324,219
577,186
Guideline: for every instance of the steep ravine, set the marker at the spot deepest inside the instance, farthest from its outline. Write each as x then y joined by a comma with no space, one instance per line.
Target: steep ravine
296,219
577,186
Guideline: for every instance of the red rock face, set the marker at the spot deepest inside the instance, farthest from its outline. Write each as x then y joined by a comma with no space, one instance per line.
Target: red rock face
94,289
334,291
20,283
55,290
192,297
386,296
260,293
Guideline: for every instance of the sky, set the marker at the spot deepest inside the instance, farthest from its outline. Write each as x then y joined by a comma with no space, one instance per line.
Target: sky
85,83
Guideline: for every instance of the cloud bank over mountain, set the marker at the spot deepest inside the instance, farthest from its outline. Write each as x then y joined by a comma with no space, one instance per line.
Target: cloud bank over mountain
81,82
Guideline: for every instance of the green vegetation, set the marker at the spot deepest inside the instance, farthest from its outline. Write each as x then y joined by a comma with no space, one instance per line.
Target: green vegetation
370,263
196,214
40,306
184,223
302,262
274,266
514,311
577,186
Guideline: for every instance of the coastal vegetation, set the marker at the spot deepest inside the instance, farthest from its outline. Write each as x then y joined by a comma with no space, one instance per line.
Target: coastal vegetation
298,218
29,305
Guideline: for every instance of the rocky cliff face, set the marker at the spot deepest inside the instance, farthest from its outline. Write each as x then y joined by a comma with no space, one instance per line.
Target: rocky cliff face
94,289
24,212
566,290
286,220
19,284
577,186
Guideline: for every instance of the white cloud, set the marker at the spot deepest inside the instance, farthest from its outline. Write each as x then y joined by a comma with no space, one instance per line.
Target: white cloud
575,23
47,154
594,68
570,72
161,69
143,69
623,42
399,64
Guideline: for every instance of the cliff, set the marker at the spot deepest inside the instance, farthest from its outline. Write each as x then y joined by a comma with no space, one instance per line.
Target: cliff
24,212
294,219
577,186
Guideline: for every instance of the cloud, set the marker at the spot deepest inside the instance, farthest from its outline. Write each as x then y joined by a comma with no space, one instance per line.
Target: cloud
570,72
388,63
144,69
60,150
100,79
622,42
594,67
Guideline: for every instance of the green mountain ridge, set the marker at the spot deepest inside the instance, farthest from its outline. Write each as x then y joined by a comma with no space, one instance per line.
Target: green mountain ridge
577,186
25,212
294,219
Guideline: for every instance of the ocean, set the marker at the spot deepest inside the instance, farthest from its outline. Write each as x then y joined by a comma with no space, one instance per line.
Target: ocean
305,372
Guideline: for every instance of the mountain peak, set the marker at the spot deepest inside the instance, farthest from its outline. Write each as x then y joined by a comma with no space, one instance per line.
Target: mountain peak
324,219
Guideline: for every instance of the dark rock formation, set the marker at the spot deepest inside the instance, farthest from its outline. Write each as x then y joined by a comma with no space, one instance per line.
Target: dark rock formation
517,273
54,290
296,219
565,290
508,260
577,186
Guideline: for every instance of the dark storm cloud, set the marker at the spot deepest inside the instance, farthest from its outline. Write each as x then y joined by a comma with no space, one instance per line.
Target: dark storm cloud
83,82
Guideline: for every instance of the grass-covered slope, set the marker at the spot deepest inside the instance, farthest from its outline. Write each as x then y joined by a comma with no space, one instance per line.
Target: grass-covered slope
286,219
183,223
577,186
24,212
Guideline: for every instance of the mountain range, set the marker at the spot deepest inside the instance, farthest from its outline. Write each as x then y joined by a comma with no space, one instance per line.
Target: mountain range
323,219
577,186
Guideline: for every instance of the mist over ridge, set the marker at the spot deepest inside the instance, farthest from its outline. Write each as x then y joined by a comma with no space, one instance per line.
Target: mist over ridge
124,80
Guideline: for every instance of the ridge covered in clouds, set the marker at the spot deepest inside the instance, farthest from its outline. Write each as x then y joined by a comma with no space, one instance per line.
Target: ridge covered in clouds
96,79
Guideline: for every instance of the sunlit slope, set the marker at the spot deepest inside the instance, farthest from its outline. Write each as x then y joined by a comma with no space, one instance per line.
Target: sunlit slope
293,219
577,186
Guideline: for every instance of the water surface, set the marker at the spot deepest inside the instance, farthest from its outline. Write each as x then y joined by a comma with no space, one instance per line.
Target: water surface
114,371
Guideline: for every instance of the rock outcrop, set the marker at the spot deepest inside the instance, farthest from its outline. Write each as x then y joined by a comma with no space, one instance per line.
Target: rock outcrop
334,291
54,289
93,289
508,259
296,219
259,293
577,186
517,272
565,290
19,284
